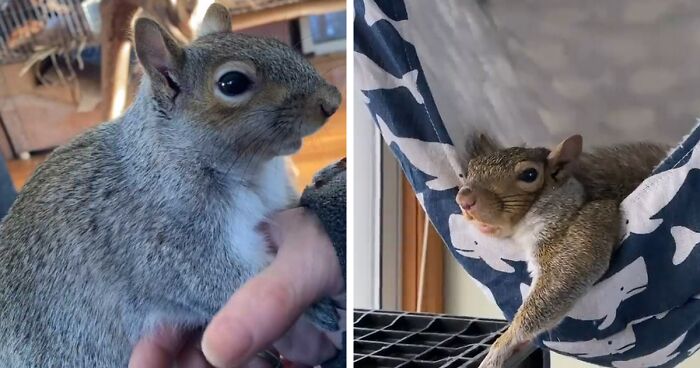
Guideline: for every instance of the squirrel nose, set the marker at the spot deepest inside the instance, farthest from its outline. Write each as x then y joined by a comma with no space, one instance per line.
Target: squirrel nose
328,109
330,101
466,198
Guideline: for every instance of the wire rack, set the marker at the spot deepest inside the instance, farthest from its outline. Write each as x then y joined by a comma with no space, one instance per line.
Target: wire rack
408,340
28,27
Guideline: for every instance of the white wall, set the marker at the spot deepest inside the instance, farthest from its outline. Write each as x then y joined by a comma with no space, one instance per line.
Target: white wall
463,297
365,206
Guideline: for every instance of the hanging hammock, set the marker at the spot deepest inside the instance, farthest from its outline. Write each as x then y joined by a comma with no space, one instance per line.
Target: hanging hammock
535,71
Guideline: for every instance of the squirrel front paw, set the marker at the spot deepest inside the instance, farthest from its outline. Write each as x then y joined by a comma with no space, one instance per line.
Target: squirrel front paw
495,358
502,349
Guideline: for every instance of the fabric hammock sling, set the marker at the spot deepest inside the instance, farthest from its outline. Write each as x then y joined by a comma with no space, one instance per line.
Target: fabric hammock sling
535,71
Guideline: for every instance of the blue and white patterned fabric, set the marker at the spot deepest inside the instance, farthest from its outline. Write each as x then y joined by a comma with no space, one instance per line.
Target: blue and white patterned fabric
645,311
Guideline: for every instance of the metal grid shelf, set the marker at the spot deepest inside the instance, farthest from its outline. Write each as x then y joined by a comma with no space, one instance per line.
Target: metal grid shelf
408,340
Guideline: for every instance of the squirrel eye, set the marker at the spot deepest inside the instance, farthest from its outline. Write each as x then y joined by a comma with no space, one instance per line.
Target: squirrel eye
528,176
234,83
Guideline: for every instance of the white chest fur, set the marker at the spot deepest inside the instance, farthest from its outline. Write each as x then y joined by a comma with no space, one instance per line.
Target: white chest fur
526,235
271,191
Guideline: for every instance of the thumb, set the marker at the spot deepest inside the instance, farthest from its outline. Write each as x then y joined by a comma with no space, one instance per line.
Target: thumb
265,307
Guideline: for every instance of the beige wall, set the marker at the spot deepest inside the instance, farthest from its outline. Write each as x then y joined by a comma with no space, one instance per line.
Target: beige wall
463,297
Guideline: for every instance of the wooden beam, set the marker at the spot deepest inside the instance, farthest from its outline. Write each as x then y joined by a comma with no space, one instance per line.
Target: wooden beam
286,12
432,283
115,49
5,145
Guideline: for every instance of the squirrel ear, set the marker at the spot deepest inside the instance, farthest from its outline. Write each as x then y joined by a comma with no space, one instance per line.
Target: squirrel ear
566,152
217,19
480,143
158,52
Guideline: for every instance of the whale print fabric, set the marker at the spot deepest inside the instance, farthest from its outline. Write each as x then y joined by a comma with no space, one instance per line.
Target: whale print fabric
645,312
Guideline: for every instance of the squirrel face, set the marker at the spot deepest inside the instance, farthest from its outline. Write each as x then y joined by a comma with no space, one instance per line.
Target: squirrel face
254,93
502,184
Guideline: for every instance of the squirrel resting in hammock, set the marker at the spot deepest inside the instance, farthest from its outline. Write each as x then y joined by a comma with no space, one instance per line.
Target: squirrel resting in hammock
558,205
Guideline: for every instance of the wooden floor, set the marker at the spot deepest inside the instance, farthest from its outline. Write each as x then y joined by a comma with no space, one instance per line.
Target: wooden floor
21,170
319,150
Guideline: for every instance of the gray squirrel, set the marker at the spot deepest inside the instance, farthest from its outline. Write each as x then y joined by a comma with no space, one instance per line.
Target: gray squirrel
560,206
151,219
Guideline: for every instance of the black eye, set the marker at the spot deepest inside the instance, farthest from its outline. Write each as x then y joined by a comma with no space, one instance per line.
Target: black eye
528,176
234,83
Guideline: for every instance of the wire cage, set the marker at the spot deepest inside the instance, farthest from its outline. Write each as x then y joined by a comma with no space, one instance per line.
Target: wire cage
31,27
421,340
43,27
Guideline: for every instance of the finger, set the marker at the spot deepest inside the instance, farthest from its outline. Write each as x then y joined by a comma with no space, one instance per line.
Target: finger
158,350
305,344
255,316
305,269
266,306
307,241
191,357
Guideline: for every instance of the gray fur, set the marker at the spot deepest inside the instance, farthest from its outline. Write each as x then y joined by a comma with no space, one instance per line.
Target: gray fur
125,228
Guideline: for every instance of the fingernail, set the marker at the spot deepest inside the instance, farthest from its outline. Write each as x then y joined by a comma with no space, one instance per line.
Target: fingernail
226,347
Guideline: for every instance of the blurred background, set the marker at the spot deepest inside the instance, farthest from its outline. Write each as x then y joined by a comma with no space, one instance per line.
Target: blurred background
68,65
529,71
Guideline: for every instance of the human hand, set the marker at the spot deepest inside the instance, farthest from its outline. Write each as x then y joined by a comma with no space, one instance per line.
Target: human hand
266,310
